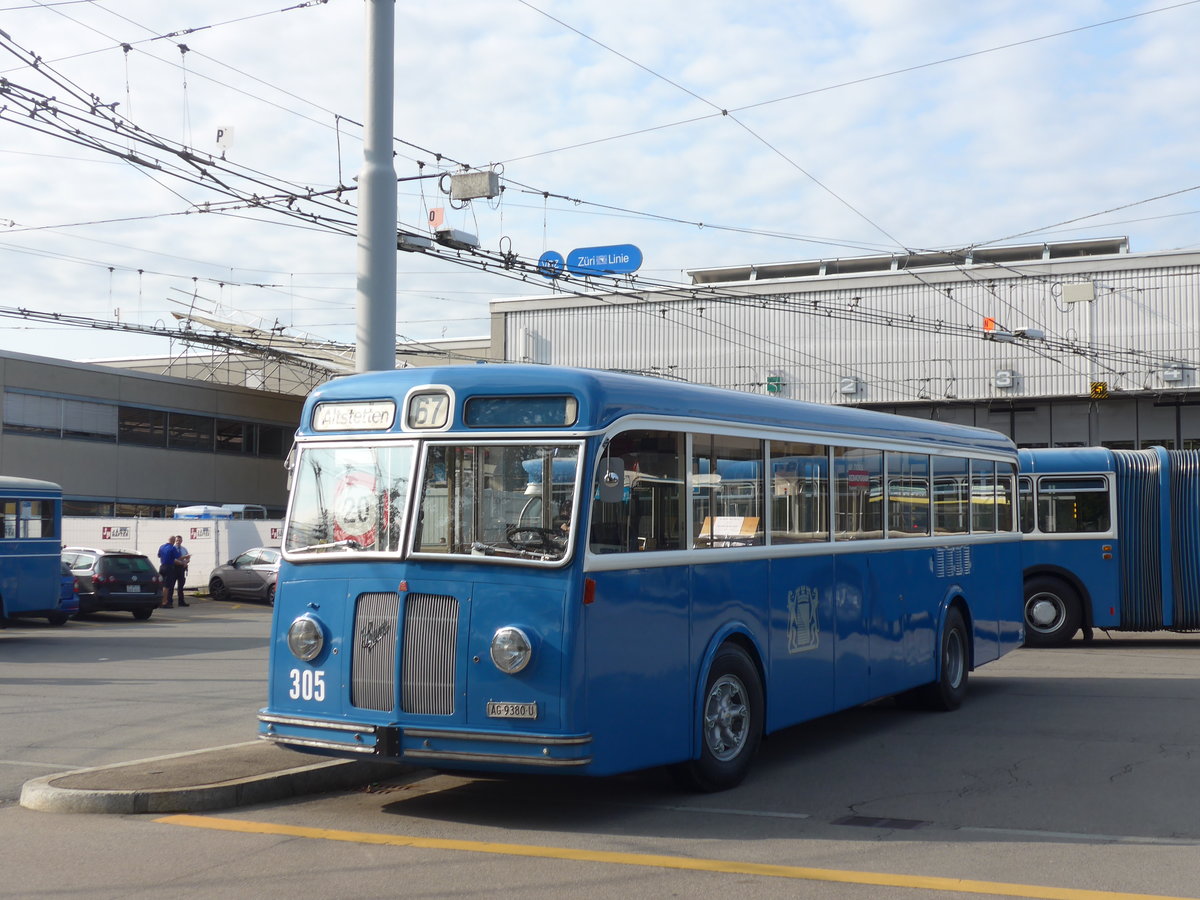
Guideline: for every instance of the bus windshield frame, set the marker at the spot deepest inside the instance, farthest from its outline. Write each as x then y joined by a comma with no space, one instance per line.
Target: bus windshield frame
484,499
338,506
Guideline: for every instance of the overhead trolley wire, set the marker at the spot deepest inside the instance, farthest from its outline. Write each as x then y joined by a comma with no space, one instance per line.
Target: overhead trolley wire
206,171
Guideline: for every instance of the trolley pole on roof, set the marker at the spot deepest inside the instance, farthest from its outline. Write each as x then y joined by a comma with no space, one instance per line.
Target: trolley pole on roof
376,295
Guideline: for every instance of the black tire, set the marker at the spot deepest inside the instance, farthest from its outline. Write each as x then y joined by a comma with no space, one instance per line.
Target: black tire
954,663
1052,612
731,723
143,614
271,595
59,618
217,589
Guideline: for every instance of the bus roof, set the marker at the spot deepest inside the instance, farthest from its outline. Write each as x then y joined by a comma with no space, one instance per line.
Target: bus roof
13,483
1061,460
604,397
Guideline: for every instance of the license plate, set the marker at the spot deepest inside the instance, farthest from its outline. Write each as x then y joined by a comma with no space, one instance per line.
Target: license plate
498,710
133,589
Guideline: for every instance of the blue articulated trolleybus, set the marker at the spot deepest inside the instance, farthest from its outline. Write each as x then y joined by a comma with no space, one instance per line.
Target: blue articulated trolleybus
1112,541
519,568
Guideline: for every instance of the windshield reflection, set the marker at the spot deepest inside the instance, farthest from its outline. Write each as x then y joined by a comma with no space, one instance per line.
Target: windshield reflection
349,499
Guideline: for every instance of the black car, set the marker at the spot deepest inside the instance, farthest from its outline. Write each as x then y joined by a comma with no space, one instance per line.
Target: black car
251,574
114,580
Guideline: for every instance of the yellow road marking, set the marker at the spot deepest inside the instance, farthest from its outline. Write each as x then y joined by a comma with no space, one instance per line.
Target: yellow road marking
650,860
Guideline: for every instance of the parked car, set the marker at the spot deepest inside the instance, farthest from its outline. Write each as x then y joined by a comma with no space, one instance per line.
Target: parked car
114,580
68,596
249,575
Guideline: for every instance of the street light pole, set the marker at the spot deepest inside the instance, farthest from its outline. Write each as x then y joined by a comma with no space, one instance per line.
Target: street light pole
376,295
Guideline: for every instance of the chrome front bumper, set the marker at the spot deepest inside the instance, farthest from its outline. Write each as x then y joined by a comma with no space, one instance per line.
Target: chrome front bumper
429,746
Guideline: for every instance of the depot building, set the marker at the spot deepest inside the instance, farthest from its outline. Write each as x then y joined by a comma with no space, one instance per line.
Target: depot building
1064,344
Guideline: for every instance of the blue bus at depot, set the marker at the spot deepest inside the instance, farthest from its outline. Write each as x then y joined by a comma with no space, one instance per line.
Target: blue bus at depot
1111,541
509,568
31,579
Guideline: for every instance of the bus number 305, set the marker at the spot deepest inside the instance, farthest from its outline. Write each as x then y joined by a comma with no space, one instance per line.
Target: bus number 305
308,684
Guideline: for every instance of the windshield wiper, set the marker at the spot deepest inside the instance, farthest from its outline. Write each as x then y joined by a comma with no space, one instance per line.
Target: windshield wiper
347,544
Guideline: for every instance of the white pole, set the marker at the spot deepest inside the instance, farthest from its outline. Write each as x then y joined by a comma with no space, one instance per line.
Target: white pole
376,297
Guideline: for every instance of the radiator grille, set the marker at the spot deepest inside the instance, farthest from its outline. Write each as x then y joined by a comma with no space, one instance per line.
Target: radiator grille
373,675
430,637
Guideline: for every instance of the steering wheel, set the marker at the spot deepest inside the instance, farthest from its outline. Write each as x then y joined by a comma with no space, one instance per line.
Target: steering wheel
530,537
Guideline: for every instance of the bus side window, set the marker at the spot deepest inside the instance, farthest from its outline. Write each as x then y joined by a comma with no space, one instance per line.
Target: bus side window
983,496
1005,481
1073,505
649,514
799,492
951,489
727,491
908,494
858,490
1025,504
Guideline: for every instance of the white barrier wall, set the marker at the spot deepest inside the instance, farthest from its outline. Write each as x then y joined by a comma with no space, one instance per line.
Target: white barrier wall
210,541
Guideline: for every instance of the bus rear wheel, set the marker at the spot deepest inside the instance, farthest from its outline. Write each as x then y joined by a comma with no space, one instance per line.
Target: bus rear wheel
731,723
1052,612
948,692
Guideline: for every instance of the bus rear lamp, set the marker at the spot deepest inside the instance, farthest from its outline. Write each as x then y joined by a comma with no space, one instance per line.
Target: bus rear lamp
511,650
305,638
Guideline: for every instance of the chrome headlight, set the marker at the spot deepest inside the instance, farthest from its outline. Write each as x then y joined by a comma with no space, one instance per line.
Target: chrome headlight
511,650
306,638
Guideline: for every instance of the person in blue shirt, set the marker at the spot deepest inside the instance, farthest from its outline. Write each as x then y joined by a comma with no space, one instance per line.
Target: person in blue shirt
167,554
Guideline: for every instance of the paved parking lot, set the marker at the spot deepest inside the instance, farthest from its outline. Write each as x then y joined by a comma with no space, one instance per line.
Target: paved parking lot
1069,773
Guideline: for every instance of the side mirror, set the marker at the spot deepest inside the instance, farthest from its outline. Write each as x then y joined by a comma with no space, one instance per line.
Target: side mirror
611,486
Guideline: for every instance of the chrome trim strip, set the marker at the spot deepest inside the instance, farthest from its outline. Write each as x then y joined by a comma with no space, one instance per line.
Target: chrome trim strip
315,723
312,742
495,758
551,740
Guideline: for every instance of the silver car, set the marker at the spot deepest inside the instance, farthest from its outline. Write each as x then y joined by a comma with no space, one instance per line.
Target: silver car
250,575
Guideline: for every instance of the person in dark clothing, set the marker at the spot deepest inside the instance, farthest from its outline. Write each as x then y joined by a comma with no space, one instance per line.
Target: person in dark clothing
167,554
181,567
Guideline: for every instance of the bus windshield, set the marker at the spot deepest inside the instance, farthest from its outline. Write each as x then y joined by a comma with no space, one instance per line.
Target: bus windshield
349,498
491,500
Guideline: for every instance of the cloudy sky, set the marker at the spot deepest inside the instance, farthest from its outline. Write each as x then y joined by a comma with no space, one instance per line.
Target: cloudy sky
706,133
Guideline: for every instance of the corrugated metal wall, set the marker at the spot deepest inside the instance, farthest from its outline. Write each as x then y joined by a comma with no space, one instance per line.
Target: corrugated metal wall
892,336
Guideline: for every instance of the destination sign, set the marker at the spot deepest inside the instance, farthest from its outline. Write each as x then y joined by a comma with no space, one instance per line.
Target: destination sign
370,415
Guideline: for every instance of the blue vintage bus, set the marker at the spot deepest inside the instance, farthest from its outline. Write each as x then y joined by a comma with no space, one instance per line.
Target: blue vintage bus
521,568
31,550
1112,541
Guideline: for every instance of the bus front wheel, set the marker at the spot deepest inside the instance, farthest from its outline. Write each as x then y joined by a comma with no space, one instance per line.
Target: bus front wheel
731,723
1052,612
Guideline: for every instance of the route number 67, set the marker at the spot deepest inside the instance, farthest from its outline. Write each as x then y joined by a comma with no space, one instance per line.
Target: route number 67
307,684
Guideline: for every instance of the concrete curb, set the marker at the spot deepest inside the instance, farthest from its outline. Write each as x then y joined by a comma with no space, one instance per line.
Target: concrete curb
255,772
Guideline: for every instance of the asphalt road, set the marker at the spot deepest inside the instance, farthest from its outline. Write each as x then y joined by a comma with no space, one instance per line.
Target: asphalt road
1068,773
109,689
